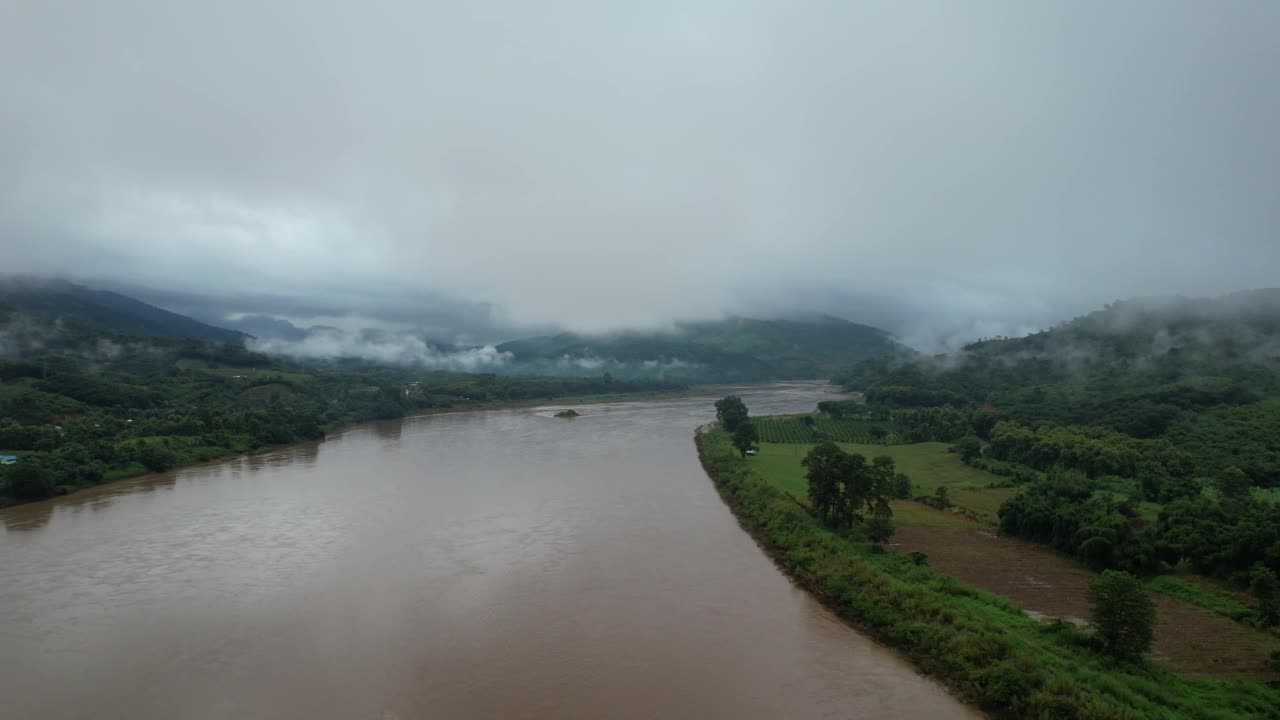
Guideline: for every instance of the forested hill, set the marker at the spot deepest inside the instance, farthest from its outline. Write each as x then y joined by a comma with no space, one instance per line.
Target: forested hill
84,409
1146,432
75,308
1238,329
734,349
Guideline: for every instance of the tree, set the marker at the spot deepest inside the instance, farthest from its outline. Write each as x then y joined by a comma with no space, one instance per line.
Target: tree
1265,587
877,433
969,447
942,497
843,487
902,486
731,412
28,481
1232,483
825,466
745,436
156,458
1122,614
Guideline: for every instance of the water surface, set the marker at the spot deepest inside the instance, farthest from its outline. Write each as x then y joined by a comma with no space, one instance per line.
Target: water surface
473,565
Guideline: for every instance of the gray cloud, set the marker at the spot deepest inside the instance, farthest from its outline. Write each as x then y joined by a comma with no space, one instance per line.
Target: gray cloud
943,169
387,348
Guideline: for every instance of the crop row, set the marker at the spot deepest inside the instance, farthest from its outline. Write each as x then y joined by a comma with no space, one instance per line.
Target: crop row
795,431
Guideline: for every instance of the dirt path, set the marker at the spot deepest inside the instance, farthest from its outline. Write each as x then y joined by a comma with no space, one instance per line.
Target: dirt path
1189,639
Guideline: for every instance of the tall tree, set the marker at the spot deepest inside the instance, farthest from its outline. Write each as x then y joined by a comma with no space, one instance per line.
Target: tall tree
1122,614
731,412
844,488
745,436
825,465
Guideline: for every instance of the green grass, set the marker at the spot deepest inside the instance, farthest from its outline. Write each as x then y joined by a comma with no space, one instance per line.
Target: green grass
929,466
981,644
910,512
1202,592
248,374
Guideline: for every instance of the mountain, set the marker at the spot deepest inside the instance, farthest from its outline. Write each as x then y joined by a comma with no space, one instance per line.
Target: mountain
1186,370
265,327
1231,330
734,349
101,311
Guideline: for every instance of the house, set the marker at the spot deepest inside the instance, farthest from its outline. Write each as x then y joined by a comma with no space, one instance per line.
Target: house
8,459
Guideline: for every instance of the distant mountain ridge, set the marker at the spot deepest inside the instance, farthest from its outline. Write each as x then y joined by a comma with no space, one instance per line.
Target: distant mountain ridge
103,311
734,349
1239,326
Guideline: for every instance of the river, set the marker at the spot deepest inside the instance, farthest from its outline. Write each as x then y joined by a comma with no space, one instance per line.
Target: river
499,564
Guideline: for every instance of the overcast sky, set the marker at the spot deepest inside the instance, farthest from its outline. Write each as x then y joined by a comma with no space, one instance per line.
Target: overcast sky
601,164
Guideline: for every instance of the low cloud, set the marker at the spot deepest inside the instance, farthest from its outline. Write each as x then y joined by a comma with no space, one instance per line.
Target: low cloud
594,166
397,348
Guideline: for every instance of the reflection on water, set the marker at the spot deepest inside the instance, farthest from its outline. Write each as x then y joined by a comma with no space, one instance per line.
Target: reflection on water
32,516
488,564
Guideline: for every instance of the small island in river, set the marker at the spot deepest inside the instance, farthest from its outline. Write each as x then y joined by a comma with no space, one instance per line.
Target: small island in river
570,413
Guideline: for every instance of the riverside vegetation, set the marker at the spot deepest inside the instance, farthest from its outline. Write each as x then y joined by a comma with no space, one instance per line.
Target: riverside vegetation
981,644
89,406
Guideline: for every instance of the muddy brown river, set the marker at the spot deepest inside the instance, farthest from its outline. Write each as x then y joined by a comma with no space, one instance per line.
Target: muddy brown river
503,564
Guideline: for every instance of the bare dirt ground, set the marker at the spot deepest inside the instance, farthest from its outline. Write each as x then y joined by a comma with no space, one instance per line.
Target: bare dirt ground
1190,640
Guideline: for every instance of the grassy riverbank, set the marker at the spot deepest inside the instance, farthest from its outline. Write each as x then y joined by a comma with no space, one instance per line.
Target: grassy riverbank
980,644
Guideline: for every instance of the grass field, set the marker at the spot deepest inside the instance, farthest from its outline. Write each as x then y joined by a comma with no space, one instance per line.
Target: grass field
1208,594
238,373
929,466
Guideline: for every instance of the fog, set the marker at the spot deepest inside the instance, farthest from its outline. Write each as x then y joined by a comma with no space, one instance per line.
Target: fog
943,170
389,348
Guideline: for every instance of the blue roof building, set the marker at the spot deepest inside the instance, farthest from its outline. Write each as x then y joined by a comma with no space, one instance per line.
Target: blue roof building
8,459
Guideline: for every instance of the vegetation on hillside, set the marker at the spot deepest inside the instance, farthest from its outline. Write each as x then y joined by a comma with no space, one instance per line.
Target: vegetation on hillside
736,349
45,304
80,407
1143,436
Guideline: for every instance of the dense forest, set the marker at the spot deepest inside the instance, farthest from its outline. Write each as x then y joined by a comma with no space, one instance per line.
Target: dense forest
732,350
79,405
1145,435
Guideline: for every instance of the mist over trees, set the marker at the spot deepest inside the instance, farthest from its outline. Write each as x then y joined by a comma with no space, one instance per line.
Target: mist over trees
80,406
1143,435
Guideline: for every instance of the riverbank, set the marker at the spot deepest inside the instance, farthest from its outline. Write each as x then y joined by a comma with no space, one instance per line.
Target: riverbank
982,645
214,457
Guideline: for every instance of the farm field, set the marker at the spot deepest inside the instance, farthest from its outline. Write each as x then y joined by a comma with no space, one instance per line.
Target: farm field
791,429
929,466
1189,639
242,373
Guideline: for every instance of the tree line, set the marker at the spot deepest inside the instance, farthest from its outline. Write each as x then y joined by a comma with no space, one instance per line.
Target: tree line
76,420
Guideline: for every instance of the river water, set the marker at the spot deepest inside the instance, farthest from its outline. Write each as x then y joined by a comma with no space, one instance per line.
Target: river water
502,564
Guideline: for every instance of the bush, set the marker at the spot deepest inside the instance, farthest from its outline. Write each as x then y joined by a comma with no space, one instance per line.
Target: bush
28,481
156,458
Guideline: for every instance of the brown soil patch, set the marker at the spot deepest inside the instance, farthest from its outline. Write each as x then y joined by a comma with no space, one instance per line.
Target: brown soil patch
1191,640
